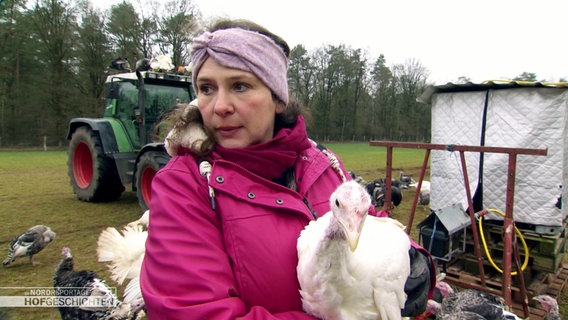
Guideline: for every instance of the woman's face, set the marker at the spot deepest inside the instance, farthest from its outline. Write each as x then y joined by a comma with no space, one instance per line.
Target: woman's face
235,105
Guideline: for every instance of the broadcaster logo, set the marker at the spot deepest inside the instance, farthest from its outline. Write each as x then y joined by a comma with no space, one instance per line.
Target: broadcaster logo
89,298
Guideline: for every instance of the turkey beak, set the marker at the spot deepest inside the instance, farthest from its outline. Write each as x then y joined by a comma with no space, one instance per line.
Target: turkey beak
354,232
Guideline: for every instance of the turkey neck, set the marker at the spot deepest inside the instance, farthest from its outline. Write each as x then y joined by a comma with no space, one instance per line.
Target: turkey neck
65,265
334,252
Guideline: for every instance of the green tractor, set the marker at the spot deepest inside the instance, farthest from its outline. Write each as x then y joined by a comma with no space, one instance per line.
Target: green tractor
109,154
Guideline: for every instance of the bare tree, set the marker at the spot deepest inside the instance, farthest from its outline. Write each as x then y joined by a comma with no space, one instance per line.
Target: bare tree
409,81
301,75
175,29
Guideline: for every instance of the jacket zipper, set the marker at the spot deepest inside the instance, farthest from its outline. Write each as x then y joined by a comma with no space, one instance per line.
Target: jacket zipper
314,214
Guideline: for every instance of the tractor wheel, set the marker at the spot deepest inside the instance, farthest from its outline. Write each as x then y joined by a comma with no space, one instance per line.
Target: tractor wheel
149,163
93,176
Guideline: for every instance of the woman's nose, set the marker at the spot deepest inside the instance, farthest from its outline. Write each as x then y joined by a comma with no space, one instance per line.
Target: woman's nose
223,103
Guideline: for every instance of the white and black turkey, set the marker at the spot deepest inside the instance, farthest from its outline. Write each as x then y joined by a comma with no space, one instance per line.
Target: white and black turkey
550,306
29,243
377,189
424,192
351,265
120,64
469,304
124,252
405,181
67,283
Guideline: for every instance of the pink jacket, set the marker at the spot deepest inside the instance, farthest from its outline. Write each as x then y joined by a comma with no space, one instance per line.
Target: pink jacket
239,260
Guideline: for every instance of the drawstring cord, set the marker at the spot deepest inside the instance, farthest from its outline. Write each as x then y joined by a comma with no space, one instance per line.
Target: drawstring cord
205,171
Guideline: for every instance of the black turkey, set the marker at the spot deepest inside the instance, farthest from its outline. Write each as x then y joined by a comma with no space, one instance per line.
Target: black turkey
29,243
70,283
120,64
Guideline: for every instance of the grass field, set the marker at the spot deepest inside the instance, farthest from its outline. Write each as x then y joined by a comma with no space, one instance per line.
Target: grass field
35,189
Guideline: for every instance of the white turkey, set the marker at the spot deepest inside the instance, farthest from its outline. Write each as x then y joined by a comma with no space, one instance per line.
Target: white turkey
352,265
29,243
124,252
424,192
424,186
468,304
162,63
70,283
550,306
143,221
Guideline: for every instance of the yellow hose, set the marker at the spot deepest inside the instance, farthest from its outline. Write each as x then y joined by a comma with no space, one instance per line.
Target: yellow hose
525,247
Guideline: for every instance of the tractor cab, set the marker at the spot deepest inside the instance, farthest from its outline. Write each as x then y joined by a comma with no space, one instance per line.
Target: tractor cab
139,104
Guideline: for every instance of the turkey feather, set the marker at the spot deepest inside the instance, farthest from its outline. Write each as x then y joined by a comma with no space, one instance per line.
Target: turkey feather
124,252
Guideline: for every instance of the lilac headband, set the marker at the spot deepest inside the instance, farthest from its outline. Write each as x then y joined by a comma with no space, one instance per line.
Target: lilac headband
244,50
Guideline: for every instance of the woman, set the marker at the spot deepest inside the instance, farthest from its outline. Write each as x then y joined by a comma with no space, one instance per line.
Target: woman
243,182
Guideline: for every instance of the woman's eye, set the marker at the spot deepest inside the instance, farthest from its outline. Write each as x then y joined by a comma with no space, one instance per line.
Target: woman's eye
205,89
239,86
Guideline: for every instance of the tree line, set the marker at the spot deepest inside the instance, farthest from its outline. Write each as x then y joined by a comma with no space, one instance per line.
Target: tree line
54,55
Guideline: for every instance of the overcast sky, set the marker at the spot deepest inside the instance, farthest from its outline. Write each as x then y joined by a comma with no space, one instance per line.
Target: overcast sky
481,40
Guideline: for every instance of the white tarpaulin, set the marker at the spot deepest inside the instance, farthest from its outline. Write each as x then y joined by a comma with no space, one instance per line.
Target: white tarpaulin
507,115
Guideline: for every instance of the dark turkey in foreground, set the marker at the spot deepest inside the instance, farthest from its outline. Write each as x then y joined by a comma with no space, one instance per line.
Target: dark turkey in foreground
97,301
470,304
29,243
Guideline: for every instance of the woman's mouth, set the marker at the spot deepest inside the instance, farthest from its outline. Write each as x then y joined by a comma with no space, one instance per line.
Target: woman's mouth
227,131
